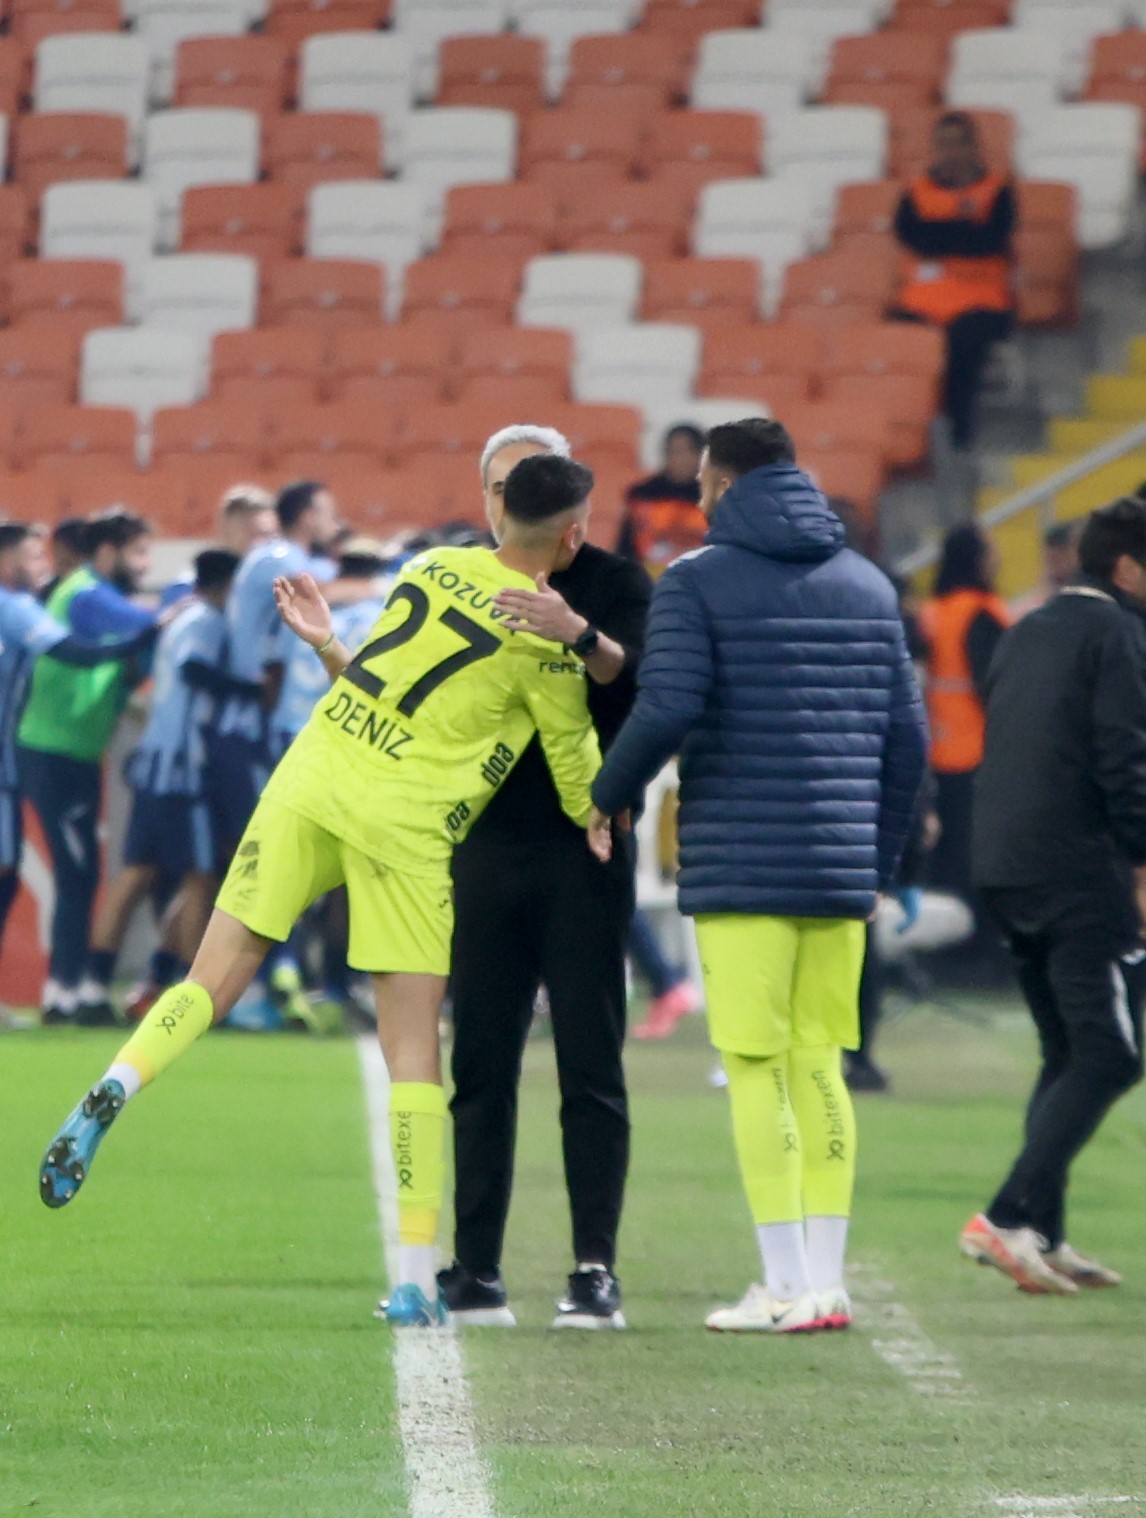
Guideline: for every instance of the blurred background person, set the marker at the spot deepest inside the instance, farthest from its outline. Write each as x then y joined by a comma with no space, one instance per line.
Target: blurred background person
662,516
246,519
671,994
1060,567
67,553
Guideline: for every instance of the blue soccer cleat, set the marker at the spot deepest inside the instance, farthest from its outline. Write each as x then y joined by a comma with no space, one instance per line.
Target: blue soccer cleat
409,1307
69,1156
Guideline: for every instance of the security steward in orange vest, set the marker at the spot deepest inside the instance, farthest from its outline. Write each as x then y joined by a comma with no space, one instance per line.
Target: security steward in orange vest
662,516
955,225
961,625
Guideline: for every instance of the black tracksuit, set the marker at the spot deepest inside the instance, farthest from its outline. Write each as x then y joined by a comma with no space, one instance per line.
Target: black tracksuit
532,906
1059,826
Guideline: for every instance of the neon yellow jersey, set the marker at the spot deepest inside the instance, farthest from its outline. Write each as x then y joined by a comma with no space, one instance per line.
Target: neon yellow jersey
420,730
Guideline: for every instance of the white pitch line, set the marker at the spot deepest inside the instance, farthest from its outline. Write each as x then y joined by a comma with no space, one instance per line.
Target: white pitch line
1063,1507
902,1344
447,1476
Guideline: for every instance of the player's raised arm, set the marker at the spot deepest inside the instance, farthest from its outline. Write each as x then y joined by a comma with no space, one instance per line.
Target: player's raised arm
303,609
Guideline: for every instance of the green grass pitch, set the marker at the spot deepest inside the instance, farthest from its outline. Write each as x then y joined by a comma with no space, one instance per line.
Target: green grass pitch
193,1338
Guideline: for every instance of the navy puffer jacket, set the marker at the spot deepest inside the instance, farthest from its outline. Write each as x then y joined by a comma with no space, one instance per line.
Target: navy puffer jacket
775,664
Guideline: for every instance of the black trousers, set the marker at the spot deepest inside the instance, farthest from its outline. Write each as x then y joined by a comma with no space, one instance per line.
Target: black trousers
970,338
1085,987
543,911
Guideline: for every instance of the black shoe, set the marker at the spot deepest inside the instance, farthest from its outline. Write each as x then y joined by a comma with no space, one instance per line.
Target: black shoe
592,1301
862,1075
95,1014
480,1301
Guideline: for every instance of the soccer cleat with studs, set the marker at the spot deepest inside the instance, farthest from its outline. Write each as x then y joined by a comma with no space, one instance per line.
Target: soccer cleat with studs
69,1156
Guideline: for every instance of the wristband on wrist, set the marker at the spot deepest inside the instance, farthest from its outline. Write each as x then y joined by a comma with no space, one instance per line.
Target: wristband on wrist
324,646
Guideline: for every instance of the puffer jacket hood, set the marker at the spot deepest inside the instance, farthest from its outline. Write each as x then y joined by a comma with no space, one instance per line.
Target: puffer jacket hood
777,511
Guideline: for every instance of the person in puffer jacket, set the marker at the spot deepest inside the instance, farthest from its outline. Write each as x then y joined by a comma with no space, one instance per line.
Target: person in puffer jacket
776,665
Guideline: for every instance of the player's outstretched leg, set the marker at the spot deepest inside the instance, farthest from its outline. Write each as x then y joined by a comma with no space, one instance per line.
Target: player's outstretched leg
826,1119
225,965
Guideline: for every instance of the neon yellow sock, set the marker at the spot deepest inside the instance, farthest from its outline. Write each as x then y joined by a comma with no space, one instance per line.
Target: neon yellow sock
766,1137
176,1020
824,1111
418,1135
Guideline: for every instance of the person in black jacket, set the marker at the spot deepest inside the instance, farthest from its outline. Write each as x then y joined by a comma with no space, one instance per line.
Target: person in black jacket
1059,852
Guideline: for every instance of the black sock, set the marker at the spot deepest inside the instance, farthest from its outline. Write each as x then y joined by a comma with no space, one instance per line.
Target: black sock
167,969
9,886
101,965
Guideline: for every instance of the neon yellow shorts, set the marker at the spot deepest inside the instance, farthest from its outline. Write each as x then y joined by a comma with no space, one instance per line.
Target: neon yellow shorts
772,982
398,921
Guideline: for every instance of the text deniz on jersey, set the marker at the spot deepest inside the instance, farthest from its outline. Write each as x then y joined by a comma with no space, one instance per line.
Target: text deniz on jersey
365,722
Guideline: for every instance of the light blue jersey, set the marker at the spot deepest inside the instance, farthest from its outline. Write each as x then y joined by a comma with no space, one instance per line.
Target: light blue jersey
304,677
170,757
26,630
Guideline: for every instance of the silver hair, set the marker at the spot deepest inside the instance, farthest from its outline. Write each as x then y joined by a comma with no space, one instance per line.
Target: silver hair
545,437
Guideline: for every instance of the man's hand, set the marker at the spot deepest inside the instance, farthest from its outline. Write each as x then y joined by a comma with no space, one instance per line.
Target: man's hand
600,835
544,612
304,610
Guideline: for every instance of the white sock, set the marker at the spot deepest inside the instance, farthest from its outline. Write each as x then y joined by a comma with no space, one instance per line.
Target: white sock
785,1260
54,994
827,1240
418,1263
128,1077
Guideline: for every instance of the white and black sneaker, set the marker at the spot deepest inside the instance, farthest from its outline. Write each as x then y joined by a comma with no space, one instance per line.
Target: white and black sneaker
592,1301
479,1301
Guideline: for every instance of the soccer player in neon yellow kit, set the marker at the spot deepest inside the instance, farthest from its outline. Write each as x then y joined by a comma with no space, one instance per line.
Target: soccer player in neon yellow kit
397,761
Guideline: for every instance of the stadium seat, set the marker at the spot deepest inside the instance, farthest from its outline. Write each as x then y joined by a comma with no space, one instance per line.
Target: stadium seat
505,72
268,356
86,487
13,76
31,24
93,72
1046,254
580,290
908,348
306,437
396,395
99,434
1001,64
31,497
854,474
390,353
842,286
636,364
766,219
888,58
519,353
1075,27
1093,146
260,220
72,295
449,429
268,395
164,24
197,147
776,349
911,134
328,291
824,426
362,219
946,18
244,73
38,367
908,403
773,394
638,58
729,143
688,21
825,147
704,412
1119,58
360,71
647,220
485,292
583,141
294,22
709,292
102,219
421,494
479,212
211,429
605,437
15,238
311,147
559,24
49,148
452,145
426,26
819,25
202,293
753,70
866,208
518,395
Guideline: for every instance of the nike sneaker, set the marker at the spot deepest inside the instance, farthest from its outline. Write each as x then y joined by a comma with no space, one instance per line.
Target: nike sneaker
835,1308
69,1156
1079,1269
759,1313
476,1301
593,1300
409,1307
1018,1252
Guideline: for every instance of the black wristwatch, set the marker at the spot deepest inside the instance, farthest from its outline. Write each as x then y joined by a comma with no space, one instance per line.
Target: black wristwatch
586,644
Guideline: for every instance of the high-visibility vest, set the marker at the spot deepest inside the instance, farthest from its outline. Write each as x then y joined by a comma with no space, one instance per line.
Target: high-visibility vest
954,711
940,289
664,529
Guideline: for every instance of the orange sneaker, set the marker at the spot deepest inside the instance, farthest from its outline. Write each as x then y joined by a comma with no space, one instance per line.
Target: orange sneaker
666,1011
1018,1253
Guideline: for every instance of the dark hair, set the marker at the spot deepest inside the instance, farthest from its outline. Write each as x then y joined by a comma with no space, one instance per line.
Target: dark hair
294,499
740,447
1110,532
963,560
961,119
115,529
1061,535
360,566
544,486
687,430
72,533
215,568
12,534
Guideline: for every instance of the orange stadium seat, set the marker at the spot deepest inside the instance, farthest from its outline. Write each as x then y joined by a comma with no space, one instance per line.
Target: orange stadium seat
709,292
211,428
247,73
506,72
646,220
777,393
204,482
421,494
517,394
886,348
642,100
606,437
515,248
52,146
105,434
908,402
295,20
268,356
30,497
394,393
267,394
30,25
72,294
310,147
854,474
1118,73
471,290
14,75
11,421
450,429
329,290
726,141
892,96
632,58
485,211
357,430
582,141
687,21
824,426
889,58
14,225
910,145
1047,254
771,349
853,284
389,352
862,208
945,18
262,220
537,354
38,365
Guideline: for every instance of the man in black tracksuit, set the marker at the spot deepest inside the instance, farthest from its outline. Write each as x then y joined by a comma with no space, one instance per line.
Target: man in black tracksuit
1059,852
533,906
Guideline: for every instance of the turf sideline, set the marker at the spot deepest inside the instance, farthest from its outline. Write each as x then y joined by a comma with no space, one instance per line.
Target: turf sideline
447,1476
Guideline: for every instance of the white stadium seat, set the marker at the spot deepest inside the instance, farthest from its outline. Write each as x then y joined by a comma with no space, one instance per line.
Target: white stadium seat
112,219
559,24
183,148
747,70
865,14
93,71
164,24
770,220
1076,27
636,365
201,293
987,62
455,145
143,367
371,72
1094,146
378,223
580,291
820,25
426,25
703,412
826,147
